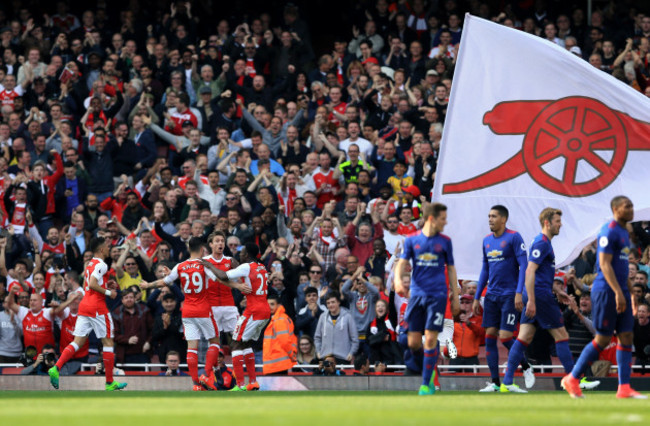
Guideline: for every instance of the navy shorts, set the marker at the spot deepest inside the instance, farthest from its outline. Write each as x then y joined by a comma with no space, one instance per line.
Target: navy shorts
548,314
605,318
500,312
426,313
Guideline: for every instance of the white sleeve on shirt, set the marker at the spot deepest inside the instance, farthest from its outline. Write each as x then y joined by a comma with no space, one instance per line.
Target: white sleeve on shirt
209,274
241,271
22,313
99,271
173,276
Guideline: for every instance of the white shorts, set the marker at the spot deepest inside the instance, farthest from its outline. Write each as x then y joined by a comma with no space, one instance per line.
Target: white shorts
447,332
194,328
248,329
225,317
102,325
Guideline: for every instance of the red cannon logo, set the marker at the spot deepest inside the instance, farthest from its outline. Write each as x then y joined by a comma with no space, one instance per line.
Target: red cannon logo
582,131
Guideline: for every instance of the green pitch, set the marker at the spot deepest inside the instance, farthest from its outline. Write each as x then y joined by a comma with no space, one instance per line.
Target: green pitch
315,408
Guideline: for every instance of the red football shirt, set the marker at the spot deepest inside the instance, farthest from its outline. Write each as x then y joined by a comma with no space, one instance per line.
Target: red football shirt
219,294
94,302
255,275
194,284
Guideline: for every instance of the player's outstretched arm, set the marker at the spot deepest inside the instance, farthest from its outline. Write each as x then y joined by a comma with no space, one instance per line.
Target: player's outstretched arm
605,262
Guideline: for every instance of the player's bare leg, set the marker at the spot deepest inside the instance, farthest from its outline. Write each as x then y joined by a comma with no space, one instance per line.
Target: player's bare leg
66,356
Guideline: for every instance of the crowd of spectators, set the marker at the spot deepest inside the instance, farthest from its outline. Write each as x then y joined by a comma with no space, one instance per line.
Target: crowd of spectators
151,126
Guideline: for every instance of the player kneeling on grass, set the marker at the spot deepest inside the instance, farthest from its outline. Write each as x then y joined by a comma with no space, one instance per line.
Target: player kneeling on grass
93,315
255,317
197,315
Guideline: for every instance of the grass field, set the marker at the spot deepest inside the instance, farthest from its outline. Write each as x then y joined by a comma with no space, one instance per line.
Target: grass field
314,408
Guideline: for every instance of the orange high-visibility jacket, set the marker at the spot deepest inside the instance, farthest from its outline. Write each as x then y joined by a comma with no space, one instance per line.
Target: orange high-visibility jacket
280,344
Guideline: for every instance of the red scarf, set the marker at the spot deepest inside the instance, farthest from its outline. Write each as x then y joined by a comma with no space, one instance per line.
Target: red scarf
329,240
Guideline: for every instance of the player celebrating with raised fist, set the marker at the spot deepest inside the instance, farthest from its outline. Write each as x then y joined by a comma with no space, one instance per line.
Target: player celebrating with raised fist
197,316
611,302
430,252
255,317
93,315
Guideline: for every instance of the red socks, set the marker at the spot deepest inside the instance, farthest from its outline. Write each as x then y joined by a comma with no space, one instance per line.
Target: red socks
249,358
193,365
211,358
67,355
109,363
238,366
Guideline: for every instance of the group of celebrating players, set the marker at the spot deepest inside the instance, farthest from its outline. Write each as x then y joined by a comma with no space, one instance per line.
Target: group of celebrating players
203,281
519,285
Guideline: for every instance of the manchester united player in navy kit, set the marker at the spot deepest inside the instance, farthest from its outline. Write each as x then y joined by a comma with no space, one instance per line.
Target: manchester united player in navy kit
504,272
611,303
430,251
540,307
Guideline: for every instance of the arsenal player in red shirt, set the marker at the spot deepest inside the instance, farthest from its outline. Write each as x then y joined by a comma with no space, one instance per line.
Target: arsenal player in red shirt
93,315
255,317
195,275
220,296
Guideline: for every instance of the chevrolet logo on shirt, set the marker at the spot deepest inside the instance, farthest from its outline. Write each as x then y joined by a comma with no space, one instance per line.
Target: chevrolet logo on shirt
428,256
495,253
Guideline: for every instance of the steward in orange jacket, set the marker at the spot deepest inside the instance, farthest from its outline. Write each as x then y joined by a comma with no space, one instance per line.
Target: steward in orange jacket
280,343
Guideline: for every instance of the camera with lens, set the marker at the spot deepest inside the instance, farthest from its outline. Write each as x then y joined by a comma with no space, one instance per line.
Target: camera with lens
327,364
27,357
50,358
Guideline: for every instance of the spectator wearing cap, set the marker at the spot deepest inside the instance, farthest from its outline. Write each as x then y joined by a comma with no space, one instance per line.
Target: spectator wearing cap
179,115
468,333
167,333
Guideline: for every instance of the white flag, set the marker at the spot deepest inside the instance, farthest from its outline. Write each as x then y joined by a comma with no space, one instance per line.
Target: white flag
529,126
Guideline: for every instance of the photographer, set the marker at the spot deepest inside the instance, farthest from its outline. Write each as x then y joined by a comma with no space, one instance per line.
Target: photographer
44,361
327,367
